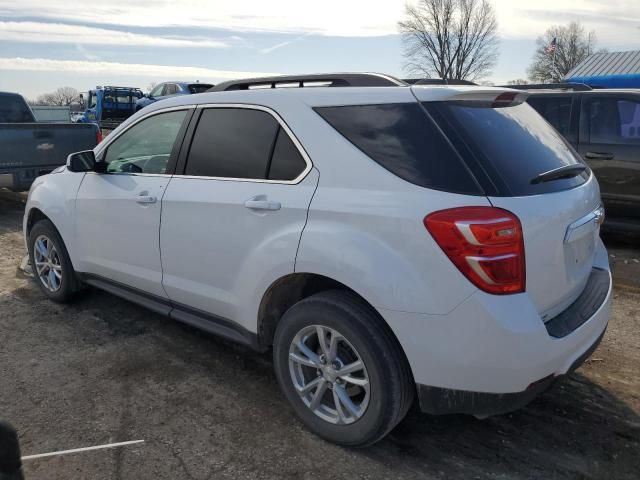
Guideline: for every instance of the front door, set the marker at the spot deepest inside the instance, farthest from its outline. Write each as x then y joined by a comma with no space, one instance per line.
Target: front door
610,144
118,212
232,222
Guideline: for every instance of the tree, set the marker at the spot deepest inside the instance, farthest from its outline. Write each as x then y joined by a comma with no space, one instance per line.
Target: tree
572,46
450,39
63,97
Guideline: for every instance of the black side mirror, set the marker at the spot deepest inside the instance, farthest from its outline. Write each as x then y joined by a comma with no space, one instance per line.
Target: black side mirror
82,162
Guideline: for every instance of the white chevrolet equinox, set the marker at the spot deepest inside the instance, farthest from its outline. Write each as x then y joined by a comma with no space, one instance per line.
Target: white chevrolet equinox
387,242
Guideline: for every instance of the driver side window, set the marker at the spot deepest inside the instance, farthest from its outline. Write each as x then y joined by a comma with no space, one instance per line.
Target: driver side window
146,147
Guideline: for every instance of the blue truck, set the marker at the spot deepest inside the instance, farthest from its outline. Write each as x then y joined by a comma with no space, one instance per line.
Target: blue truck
109,106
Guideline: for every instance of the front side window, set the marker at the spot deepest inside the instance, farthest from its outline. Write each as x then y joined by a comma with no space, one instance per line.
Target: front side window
170,89
157,91
145,147
614,121
92,100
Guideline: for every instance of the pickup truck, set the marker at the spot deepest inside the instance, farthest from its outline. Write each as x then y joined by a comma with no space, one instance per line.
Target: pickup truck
29,149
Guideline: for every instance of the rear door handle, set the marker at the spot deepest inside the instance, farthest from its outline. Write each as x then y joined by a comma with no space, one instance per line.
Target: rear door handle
599,156
262,204
145,199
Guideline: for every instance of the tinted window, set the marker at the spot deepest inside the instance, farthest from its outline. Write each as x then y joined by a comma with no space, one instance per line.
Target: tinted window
232,143
556,110
170,89
614,121
199,87
13,109
402,139
146,147
513,144
286,163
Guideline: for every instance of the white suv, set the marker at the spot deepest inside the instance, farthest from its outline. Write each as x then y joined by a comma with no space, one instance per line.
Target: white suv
386,242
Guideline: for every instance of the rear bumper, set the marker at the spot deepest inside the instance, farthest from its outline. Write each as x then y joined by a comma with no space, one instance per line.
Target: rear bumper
493,354
440,401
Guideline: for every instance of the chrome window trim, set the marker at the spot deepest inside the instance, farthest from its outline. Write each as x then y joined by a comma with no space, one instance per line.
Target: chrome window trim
283,125
308,163
111,138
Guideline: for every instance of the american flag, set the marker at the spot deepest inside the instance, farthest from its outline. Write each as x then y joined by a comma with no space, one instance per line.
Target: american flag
552,46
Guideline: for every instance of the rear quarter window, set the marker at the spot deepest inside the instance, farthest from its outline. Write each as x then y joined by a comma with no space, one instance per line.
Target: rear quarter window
405,141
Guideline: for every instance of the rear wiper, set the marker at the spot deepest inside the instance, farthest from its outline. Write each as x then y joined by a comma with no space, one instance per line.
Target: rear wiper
567,171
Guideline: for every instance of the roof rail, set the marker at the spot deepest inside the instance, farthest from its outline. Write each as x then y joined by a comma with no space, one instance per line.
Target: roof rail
437,81
117,88
576,87
314,80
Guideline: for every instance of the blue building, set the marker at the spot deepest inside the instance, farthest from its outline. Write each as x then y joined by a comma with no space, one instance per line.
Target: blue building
608,70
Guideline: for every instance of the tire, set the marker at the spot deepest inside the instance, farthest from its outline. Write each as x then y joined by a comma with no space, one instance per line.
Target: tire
384,390
68,284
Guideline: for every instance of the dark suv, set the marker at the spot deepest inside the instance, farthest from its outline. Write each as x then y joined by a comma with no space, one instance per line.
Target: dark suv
604,127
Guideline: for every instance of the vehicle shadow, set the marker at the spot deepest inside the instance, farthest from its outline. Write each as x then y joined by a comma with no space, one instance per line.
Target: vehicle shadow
575,430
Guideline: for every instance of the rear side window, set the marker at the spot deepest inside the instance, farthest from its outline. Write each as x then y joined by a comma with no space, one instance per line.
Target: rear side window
556,110
614,121
232,143
512,144
286,163
199,87
13,109
404,140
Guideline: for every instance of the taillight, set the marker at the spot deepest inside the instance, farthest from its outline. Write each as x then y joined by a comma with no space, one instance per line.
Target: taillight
485,243
98,136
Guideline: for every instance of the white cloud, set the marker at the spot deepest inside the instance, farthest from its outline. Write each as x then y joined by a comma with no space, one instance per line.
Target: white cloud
613,20
39,32
119,69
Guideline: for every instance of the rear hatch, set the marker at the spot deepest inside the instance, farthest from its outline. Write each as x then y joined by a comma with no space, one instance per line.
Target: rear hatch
527,168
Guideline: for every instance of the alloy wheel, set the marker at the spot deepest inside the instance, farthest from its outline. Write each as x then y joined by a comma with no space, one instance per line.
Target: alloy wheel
47,263
329,374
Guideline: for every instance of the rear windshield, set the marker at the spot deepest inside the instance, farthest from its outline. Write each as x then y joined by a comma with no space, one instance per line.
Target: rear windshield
511,144
199,87
13,109
404,140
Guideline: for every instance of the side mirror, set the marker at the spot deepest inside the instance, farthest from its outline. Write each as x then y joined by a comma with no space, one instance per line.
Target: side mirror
84,161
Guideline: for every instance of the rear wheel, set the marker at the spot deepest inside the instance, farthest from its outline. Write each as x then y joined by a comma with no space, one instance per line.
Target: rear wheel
341,369
50,263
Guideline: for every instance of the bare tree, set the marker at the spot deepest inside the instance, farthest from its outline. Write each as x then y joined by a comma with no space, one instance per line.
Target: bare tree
63,97
518,81
572,46
451,39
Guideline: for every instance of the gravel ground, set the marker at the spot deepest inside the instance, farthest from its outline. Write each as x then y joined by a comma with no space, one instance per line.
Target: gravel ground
103,370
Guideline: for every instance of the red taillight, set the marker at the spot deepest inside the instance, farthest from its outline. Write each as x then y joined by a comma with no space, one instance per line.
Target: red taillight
98,136
485,243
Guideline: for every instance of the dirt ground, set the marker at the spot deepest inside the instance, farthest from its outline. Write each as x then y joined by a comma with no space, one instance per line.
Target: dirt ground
103,370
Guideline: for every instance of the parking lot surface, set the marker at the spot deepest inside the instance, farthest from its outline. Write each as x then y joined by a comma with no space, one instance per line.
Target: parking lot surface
103,370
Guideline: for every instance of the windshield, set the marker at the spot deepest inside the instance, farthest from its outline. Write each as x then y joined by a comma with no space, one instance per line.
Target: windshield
512,144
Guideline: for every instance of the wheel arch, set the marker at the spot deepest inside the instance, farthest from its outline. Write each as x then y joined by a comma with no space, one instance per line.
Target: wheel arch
288,290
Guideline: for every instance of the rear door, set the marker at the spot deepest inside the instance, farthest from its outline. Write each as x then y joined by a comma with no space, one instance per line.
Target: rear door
232,221
118,212
610,143
559,217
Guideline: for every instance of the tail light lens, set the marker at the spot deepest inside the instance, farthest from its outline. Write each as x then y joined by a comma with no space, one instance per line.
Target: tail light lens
486,245
98,136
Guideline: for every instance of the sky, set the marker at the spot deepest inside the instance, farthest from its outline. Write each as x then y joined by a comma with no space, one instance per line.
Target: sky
45,44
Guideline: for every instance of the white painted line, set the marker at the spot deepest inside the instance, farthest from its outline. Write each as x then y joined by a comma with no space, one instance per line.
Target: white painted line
85,449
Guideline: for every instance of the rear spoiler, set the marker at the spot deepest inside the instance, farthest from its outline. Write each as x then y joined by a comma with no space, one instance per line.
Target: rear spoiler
480,96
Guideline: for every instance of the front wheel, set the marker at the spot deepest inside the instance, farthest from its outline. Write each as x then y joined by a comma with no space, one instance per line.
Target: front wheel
50,263
341,369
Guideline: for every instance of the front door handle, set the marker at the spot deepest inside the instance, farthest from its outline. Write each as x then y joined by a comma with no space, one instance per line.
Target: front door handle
146,199
261,203
599,156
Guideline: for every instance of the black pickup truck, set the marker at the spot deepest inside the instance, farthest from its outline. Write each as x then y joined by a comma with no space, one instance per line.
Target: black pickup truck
604,127
29,149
